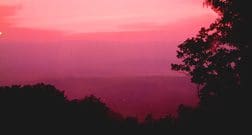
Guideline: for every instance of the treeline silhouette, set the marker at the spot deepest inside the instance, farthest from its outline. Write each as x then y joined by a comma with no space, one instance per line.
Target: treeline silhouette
44,109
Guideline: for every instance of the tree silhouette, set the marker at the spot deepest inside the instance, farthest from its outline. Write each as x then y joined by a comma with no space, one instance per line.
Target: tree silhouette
217,58
217,61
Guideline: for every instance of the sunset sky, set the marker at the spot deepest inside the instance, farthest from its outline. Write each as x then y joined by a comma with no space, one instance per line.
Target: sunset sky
40,38
61,41
101,15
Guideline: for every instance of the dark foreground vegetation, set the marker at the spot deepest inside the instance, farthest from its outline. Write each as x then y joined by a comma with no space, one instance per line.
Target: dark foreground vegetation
217,60
44,109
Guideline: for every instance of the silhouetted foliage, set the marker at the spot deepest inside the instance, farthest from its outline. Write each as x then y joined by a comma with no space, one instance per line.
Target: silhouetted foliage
44,109
216,56
217,61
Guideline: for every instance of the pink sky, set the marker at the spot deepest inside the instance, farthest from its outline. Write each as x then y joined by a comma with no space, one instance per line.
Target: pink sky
103,15
92,38
69,43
